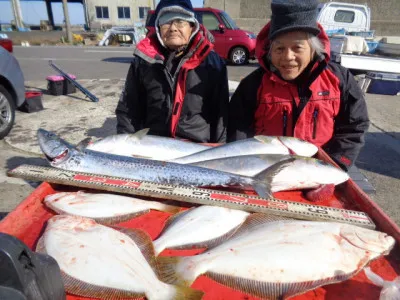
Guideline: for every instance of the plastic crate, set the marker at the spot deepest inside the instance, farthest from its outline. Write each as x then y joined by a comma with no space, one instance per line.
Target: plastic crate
384,83
33,102
58,85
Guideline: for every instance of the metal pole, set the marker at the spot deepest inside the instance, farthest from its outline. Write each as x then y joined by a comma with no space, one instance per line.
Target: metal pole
67,22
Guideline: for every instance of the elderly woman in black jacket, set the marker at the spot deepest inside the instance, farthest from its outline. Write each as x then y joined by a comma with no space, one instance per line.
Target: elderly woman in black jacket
177,85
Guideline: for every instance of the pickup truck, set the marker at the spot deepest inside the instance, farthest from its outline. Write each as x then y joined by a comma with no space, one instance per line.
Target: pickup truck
351,22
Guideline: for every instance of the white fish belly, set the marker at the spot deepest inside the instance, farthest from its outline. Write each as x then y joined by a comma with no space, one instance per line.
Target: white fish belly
99,205
99,255
204,223
291,252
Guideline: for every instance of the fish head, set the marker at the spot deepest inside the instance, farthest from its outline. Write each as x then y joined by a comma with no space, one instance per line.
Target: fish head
328,173
54,148
367,239
298,146
66,222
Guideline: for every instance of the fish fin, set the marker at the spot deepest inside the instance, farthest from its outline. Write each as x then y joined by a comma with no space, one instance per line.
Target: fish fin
207,244
171,209
262,181
264,138
40,248
374,278
81,288
121,218
167,266
140,134
84,143
171,220
144,242
254,220
263,190
185,293
141,156
272,290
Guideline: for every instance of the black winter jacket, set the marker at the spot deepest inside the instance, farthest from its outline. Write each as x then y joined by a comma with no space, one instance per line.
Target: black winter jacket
192,105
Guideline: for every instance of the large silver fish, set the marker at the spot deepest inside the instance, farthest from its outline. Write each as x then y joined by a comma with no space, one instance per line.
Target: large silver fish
301,173
101,262
199,227
142,145
258,145
103,208
282,258
62,155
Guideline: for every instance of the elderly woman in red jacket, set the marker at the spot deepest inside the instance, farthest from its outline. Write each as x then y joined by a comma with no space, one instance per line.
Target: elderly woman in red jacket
298,91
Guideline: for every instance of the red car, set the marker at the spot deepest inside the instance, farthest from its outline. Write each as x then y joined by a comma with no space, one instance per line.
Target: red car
231,42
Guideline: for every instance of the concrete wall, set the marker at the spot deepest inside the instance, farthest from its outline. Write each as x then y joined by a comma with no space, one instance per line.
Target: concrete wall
253,14
113,19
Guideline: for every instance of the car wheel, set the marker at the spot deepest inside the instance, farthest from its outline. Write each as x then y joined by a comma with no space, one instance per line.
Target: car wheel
239,56
7,112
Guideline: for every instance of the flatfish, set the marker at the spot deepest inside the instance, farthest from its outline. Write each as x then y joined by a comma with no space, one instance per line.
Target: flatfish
101,262
103,208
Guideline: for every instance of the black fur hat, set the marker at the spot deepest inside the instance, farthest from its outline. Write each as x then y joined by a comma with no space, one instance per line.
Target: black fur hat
293,15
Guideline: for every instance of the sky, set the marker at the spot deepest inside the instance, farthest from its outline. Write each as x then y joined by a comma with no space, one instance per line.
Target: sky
34,11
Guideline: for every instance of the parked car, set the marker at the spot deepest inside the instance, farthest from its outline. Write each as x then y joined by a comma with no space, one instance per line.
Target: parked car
6,44
231,42
12,90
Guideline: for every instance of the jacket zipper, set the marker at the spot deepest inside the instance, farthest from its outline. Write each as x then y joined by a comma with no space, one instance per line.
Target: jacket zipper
315,119
172,83
285,113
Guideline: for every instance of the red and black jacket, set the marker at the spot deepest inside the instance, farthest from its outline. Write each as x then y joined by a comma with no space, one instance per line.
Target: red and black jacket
326,107
192,105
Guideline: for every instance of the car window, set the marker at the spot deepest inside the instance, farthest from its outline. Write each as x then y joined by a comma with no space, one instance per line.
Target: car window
229,23
210,21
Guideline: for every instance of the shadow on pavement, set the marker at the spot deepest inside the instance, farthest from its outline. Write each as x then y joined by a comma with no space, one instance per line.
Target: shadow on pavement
380,154
108,128
123,60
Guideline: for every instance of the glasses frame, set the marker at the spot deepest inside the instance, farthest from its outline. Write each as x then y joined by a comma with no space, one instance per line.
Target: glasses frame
179,23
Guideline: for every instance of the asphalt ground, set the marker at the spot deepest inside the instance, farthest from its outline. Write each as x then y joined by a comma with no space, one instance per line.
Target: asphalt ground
102,71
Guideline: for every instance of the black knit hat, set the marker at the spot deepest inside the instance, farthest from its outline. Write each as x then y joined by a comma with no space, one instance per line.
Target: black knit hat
292,15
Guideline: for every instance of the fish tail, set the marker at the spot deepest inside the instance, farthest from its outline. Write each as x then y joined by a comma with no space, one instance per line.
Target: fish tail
169,273
263,180
172,209
185,293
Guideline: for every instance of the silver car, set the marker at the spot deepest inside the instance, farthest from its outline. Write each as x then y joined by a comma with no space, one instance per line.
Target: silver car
12,90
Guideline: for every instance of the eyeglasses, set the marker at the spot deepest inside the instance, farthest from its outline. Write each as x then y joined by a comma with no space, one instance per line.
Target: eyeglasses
178,23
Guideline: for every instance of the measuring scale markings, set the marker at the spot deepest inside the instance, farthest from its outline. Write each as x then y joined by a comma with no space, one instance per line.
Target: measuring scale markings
193,195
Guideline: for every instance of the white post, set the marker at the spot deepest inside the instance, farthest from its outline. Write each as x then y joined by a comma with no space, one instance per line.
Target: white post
17,13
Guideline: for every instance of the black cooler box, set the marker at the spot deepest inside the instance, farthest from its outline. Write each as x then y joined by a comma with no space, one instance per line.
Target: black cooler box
33,102
58,85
